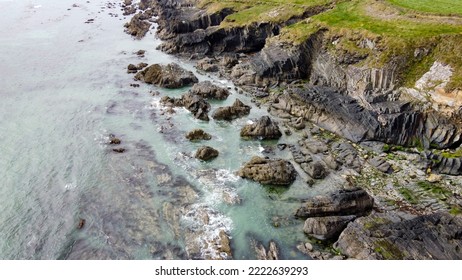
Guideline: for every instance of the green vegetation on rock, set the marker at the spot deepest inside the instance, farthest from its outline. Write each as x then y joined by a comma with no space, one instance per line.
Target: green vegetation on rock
444,7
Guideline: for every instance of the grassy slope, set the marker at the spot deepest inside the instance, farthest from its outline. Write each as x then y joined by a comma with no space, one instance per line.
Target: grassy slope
445,7
396,32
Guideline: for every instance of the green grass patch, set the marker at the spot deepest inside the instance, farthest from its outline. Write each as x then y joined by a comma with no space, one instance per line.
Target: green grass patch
439,7
388,250
434,189
455,210
453,154
408,195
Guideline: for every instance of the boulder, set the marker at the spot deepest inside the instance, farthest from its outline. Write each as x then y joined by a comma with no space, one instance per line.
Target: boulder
228,113
269,171
168,76
355,201
206,153
324,228
198,134
137,27
193,103
207,65
387,236
264,128
381,164
316,169
208,90
272,253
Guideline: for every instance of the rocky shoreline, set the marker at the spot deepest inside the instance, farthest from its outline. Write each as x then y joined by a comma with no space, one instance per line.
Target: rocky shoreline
390,161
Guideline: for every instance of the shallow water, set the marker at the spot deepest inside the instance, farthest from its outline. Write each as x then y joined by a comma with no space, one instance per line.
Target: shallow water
64,89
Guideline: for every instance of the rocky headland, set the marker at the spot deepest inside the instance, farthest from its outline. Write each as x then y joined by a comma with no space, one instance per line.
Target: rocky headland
377,114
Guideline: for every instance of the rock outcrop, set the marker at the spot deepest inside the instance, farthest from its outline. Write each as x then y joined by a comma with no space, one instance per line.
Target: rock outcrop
264,128
386,236
326,227
168,76
269,171
206,153
197,135
354,201
193,103
138,26
228,113
208,90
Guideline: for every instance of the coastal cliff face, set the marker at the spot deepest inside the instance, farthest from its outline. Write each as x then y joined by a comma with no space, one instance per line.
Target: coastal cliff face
376,94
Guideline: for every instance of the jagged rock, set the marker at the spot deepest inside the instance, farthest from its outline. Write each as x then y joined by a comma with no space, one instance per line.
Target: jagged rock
326,227
137,27
300,156
225,243
445,165
114,140
263,254
264,128
355,201
228,113
298,123
198,134
119,150
387,236
208,90
129,10
269,171
348,155
316,169
206,153
207,65
168,76
381,164
193,103
314,146
229,60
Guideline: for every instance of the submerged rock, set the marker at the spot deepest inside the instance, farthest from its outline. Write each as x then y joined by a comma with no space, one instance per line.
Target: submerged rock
168,76
228,113
264,128
208,90
384,236
198,134
269,171
354,201
206,153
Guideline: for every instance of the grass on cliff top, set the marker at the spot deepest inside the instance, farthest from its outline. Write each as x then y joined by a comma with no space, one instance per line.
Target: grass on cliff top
441,7
252,11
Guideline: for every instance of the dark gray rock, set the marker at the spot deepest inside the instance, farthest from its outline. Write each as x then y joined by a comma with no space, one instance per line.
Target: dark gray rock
316,169
208,90
326,227
381,164
382,236
348,156
137,27
198,134
445,165
353,201
207,65
269,171
168,76
264,128
206,153
193,103
229,113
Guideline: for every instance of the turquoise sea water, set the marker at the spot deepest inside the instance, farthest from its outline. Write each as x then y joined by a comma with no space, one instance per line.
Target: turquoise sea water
63,90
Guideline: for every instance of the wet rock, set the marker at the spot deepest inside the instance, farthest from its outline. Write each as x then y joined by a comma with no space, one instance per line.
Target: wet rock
264,128
140,53
129,10
81,223
168,76
207,65
229,60
137,27
114,140
208,90
269,171
225,244
119,150
354,201
132,69
315,146
198,134
298,123
386,236
326,227
316,169
381,164
272,253
141,65
228,113
206,153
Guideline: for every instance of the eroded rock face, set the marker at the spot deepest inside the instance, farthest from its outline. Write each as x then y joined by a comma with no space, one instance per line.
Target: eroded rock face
228,113
168,76
384,236
269,171
326,227
262,253
198,134
264,128
137,27
208,90
353,201
193,103
206,153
